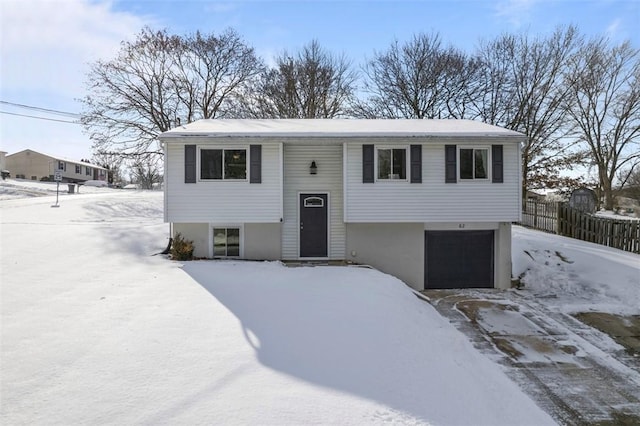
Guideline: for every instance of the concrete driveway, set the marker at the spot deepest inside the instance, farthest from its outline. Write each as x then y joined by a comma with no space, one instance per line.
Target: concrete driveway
583,369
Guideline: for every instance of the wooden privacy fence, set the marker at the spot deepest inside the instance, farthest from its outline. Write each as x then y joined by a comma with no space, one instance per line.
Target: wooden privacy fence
540,215
564,220
620,234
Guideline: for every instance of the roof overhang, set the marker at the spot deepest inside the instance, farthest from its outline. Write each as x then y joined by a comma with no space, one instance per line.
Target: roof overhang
339,128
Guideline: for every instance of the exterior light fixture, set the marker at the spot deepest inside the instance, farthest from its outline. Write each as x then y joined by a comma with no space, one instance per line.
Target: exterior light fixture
313,169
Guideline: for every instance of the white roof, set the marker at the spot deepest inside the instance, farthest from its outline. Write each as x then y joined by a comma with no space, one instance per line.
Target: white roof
325,128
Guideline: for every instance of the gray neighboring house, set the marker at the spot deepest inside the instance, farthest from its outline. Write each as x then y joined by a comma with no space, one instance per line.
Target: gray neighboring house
34,165
429,201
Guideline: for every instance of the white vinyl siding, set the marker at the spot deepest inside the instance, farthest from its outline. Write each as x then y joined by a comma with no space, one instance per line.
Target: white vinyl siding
297,179
220,201
433,200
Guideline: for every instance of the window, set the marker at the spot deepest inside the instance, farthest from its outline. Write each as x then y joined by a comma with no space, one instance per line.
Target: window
392,163
474,163
87,171
223,164
313,202
78,169
61,165
226,242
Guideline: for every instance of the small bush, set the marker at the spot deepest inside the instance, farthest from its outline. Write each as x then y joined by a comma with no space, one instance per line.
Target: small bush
181,249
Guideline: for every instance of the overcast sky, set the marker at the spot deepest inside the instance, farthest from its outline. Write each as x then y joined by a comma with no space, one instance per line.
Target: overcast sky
47,44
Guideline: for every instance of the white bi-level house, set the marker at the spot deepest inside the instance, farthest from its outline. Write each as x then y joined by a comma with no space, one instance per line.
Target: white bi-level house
429,201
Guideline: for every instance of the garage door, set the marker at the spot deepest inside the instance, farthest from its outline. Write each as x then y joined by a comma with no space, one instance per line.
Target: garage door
458,259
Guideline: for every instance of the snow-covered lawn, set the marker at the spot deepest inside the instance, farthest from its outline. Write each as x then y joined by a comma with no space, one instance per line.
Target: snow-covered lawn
96,330
577,276
20,188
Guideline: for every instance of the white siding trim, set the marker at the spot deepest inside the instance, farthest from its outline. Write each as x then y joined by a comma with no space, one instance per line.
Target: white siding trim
281,163
519,182
345,189
165,184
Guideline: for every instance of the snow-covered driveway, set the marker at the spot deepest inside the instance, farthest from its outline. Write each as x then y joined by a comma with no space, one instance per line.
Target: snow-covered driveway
95,330
548,333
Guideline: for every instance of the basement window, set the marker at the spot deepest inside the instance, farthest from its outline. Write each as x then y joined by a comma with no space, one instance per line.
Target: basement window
226,242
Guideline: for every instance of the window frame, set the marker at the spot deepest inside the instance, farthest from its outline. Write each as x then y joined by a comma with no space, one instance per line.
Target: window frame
488,164
247,163
226,227
407,160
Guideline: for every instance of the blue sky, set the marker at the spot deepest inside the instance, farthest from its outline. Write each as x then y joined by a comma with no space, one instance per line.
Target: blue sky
47,44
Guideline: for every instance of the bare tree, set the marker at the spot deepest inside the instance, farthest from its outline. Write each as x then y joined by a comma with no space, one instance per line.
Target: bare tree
523,89
146,173
313,83
211,70
495,83
632,183
157,79
418,79
604,90
132,98
113,162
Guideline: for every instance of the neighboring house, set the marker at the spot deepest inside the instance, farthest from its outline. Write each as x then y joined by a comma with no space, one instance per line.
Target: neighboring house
29,164
3,160
429,201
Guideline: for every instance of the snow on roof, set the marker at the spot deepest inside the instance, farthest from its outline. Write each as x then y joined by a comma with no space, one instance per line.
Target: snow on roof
58,157
339,128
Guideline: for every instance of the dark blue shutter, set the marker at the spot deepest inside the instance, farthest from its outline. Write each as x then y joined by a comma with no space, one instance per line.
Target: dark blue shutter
450,164
255,166
497,174
416,163
367,164
189,164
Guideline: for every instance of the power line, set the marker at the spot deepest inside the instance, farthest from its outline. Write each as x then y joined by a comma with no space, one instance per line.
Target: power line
39,118
47,110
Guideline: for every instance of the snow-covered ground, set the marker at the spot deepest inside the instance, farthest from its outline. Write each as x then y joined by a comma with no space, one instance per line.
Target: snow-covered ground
97,330
21,188
608,214
577,276
568,335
